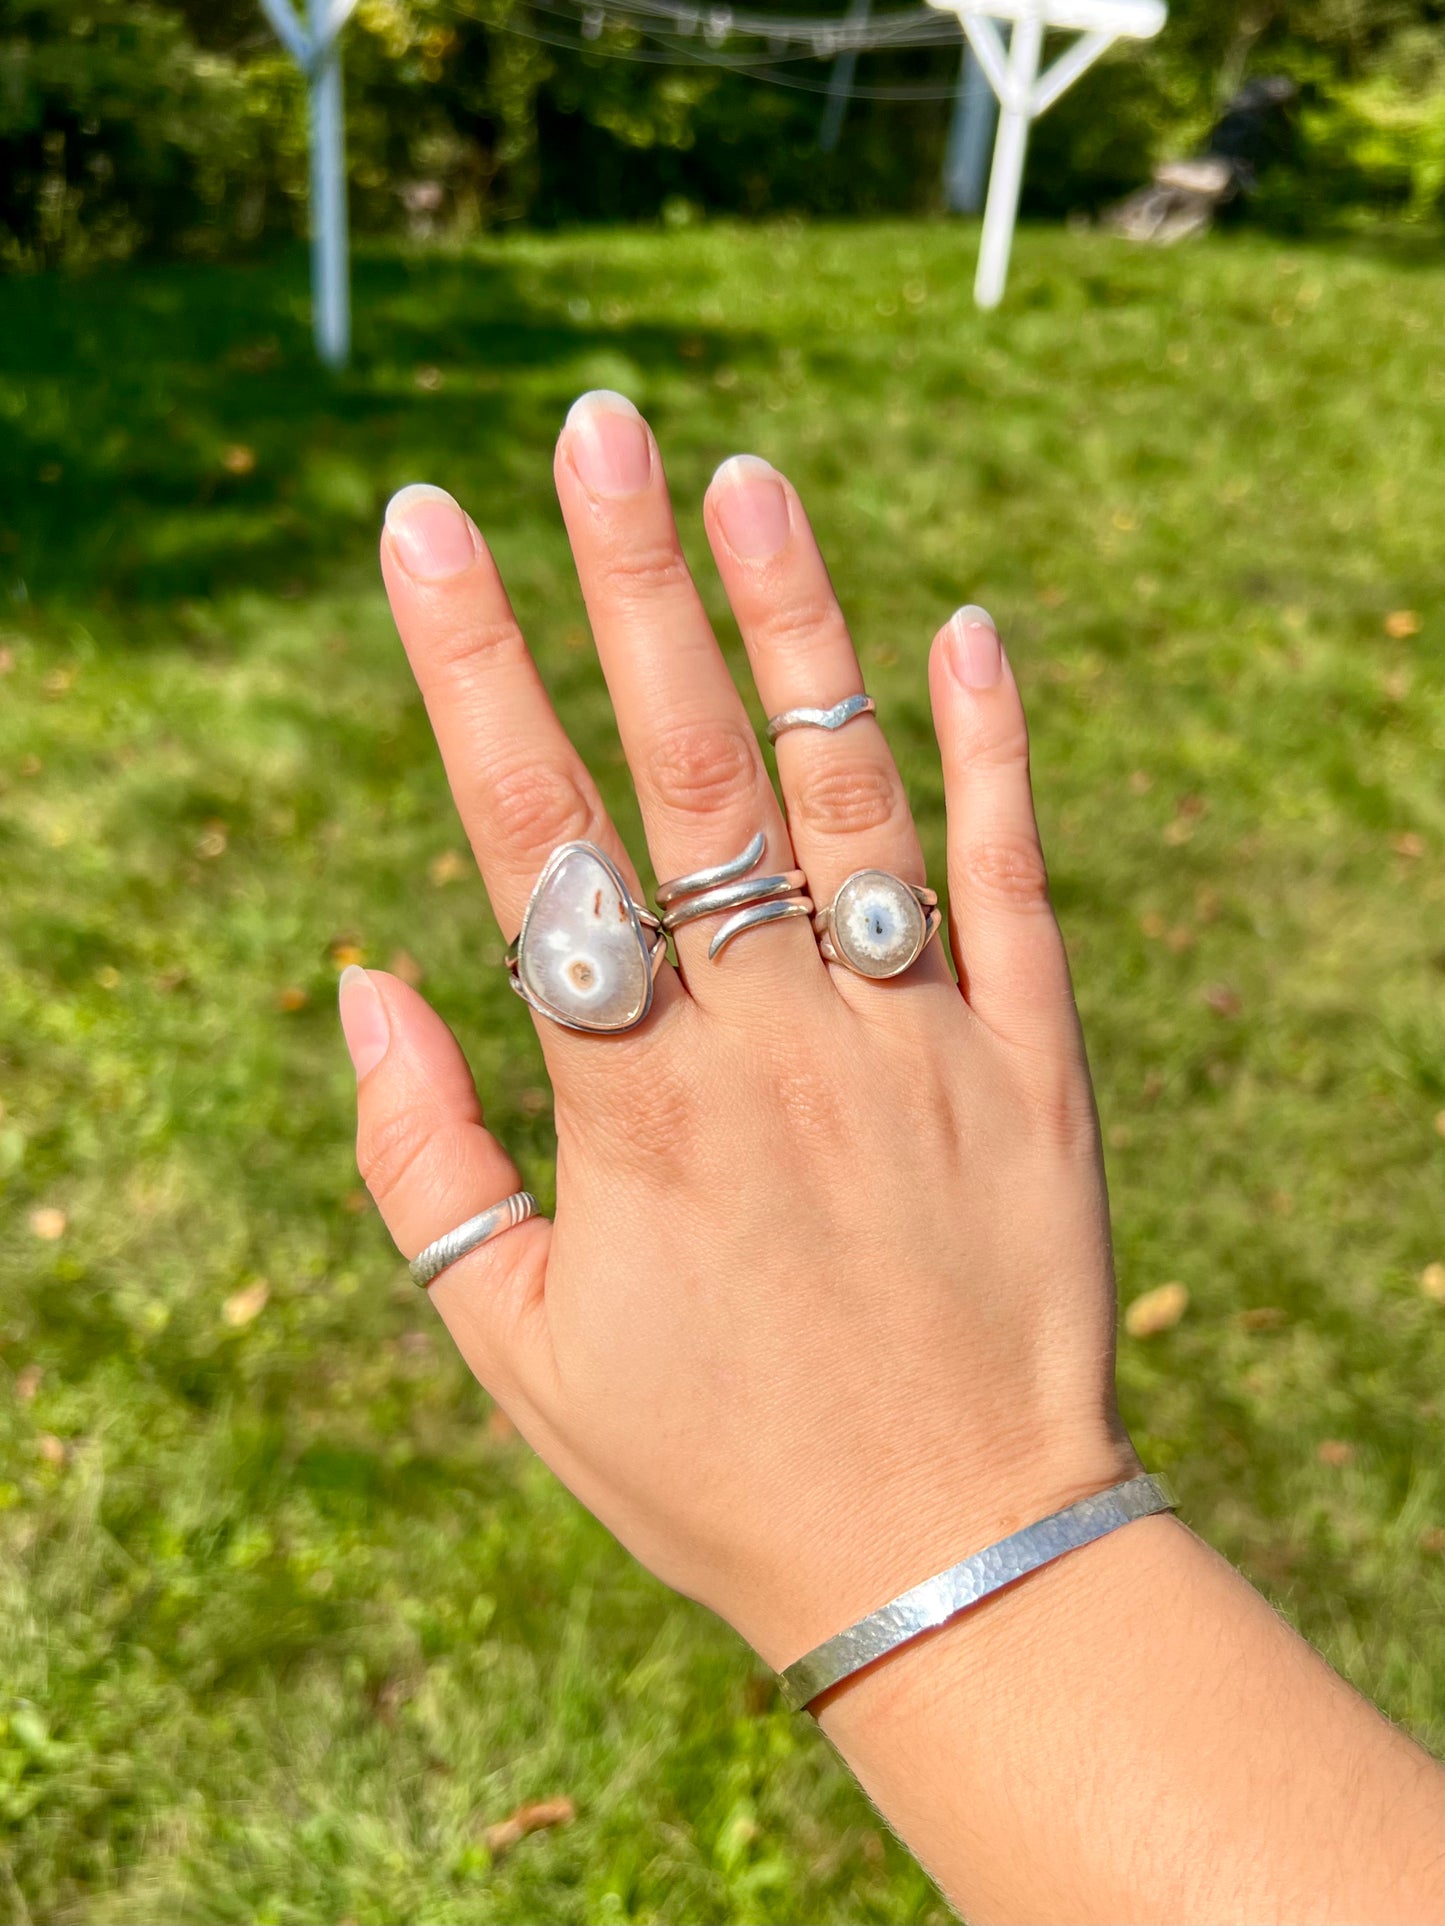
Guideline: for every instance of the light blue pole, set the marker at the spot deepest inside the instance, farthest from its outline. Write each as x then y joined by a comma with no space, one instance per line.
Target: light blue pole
330,291
841,84
970,138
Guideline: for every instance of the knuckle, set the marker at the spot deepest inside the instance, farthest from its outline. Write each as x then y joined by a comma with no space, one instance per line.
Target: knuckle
639,571
798,627
845,797
1008,871
470,646
534,806
697,766
1005,747
389,1148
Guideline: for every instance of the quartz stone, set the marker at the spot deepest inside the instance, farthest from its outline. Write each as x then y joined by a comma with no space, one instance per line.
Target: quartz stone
583,955
878,923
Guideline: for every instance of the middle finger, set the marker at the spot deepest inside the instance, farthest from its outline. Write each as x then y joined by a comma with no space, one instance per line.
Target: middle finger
700,775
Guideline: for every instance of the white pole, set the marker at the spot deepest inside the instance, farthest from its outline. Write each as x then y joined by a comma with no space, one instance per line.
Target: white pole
330,293
1008,160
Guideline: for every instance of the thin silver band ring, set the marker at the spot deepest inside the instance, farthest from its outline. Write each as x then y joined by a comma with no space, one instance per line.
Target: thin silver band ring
481,1229
848,710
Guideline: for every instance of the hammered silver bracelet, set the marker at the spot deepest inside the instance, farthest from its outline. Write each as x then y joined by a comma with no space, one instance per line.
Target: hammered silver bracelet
937,1600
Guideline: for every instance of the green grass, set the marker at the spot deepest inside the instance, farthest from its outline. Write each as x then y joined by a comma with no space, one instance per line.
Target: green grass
285,1621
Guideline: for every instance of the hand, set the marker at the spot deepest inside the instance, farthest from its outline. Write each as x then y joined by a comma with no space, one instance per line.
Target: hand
828,1301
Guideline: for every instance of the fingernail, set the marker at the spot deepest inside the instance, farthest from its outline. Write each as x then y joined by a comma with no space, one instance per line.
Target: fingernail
363,1019
430,533
977,651
611,449
752,506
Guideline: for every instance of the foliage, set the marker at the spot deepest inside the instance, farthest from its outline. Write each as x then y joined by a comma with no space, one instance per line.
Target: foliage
287,1617
178,125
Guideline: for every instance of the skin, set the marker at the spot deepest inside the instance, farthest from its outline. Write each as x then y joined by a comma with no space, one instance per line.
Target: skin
874,1331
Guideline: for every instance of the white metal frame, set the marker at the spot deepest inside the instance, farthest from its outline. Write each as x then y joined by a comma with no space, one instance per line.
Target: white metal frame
315,50
1024,93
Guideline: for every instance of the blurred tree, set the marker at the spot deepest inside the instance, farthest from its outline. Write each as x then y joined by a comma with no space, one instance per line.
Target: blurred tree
178,125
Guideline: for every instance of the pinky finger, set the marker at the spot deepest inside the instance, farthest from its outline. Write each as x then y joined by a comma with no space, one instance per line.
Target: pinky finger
430,1164
1007,945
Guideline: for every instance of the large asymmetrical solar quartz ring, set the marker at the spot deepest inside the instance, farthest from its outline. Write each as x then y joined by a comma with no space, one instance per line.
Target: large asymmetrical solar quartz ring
754,900
587,955
845,711
481,1229
877,925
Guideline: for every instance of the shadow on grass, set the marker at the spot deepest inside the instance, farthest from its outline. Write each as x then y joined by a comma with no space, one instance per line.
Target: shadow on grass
171,435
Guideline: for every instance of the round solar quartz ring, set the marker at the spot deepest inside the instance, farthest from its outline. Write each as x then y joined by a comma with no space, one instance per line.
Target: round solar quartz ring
877,925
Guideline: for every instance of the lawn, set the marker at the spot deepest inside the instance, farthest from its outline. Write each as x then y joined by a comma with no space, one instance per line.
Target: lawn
288,1617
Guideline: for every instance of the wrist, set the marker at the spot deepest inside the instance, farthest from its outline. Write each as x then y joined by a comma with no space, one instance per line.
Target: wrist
916,1527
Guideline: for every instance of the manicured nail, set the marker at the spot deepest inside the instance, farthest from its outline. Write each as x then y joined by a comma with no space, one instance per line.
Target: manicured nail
752,505
430,533
363,1019
977,651
611,448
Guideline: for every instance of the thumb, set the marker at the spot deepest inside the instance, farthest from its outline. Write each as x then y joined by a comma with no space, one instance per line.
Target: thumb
430,1164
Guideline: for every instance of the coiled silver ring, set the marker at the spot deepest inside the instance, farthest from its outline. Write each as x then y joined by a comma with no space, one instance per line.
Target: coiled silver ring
753,900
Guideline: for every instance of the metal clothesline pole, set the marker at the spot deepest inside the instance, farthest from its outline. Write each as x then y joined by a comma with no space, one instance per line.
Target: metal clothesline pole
1023,93
316,50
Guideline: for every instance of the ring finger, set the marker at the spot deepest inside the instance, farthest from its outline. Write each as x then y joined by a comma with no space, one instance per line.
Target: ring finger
846,805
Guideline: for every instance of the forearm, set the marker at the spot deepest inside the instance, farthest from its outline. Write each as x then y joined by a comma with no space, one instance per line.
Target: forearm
1132,1734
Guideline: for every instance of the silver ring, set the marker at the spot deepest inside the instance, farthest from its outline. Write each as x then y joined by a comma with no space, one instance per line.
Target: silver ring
845,711
481,1229
877,925
587,955
727,886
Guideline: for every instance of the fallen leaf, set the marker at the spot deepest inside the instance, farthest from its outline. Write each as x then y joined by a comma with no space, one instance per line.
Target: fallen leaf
356,1201
1409,844
238,459
170,980
59,682
1262,1317
1191,806
405,965
534,1101
1177,833
1401,624
1141,782
1396,684
1157,1310
1432,1539
446,868
345,953
1335,1452
500,1428
1153,924
51,1449
1223,1001
1181,938
1440,1123
291,999
211,842
7,661
243,1306
48,1223
27,1383
429,380
508,1832
108,977
1432,1282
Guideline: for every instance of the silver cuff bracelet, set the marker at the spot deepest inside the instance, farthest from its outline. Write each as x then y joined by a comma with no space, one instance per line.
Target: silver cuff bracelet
937,1600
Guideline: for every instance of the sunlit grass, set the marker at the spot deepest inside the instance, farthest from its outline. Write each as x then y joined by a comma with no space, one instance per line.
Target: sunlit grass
287,1618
